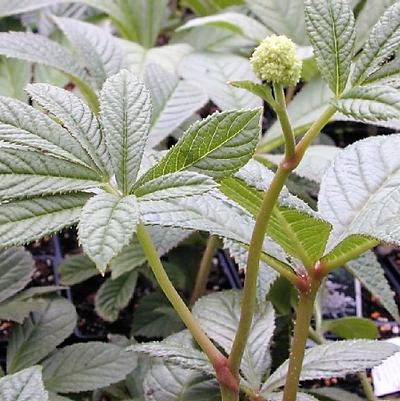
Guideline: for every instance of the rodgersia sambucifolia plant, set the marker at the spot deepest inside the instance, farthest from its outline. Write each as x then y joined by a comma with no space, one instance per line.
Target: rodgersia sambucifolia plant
63,162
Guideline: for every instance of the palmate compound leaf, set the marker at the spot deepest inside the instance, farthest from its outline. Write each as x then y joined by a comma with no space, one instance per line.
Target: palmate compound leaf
86,367
219,315
40,334
360,193
24,221
106,225
125,114
174,101
335,359
331,30
99,51
26,385
77,118
381,45
216,146
16,268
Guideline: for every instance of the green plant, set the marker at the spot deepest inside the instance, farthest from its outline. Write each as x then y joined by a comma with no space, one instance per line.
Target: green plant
94,165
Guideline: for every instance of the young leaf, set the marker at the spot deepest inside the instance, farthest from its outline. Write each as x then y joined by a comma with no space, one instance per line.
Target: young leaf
31,219
370,103
213,71
360,192
14,76
76,269
383,42
331,30
77,118
106,225
16,268
40,334
217,146
371,274
114,295
351,328
26,385
85,367
99,51
219,316
125,114
335,359
174,101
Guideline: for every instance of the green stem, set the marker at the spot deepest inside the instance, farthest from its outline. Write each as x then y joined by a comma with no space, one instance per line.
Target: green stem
366,385
301,332
228,395
250,284
283,117
205,268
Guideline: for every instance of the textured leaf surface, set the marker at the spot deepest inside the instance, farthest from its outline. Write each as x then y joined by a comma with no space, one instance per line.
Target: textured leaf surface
383,41
371,274
114,295
40,334
331,29
336,359
85,367
235,22
370,103
336,394
174,101
26,385
16,268
39,49
125,113
77,118
106,225
212,71
99,51
219,316
282,17
360,192
76,269
29,220
300,397
217,146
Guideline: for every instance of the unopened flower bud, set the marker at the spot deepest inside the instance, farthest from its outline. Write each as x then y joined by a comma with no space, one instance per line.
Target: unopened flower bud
275,60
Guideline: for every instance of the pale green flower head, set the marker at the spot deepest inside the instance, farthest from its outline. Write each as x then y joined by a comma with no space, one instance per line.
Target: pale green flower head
275,60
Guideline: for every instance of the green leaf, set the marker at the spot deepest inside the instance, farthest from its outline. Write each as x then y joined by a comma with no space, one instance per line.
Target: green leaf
336,394
106,225
174,101
114,295
335,359
99,51
16,268
164,382
370,103
213,71
382,43
331,30
388,75
39,49
371,274
360,192
40,334
219,314
85,367
26,385
155,317
24,173
77,118
351,328
300,397
235,22
30,220
283,17
217,146
175,185
125,114
76,269
18,311
14,76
